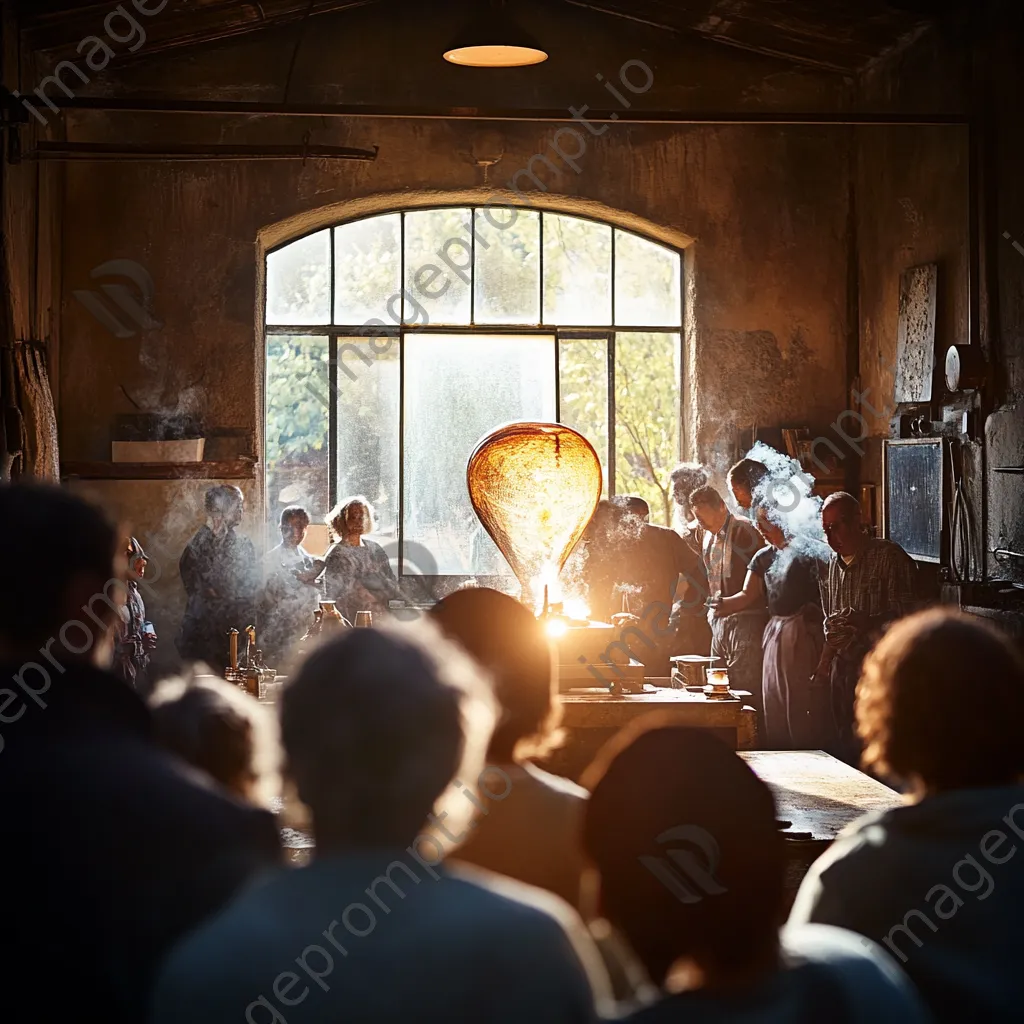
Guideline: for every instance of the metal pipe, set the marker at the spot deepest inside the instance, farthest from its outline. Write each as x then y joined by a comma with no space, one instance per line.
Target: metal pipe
51,150
228,107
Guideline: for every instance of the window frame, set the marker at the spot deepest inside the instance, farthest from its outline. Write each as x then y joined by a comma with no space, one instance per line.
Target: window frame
560,332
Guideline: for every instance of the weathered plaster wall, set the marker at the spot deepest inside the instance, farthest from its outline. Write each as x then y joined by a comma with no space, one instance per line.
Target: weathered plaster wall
766,208
762,210
911,201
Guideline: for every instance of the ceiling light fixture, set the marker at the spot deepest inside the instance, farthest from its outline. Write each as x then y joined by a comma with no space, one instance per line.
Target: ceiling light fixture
494,41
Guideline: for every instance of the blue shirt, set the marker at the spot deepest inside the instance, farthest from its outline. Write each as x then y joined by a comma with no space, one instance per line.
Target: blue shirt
377,937
829,976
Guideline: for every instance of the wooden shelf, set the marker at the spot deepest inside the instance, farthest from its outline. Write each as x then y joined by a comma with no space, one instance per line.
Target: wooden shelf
234,469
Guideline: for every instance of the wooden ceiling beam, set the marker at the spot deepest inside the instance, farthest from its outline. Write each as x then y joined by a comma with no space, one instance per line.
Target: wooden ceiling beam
55,34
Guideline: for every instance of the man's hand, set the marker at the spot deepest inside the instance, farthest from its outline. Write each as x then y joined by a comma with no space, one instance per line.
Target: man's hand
149,641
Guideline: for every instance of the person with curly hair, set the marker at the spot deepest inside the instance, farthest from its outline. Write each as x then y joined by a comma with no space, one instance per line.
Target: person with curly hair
921,879
357,574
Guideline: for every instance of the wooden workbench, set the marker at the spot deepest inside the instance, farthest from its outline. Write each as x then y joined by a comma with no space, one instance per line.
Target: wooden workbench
591,717
815,793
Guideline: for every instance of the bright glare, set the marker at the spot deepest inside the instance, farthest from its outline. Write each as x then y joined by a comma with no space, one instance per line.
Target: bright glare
556,627
576,608
495,56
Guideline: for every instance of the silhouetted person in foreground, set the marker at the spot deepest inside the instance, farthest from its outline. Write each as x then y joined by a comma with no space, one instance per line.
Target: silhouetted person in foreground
223,731
385,732
112,849
940,882
532,833
690,868
221,578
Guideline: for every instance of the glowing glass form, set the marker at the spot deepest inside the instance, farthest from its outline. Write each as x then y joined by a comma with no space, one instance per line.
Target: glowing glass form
534,487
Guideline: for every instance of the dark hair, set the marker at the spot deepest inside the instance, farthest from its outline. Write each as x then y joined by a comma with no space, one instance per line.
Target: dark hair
206,728
375,725
909,702
706,496
632,504
848,502
34,518
666,796
686,478
222,497
748,473
294,512
506,638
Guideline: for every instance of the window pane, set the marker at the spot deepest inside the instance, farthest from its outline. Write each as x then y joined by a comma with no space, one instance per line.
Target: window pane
367,270
583,391
457,389
507,276
437,294
647,289
297,459
299,282
367,444
647,417
577,271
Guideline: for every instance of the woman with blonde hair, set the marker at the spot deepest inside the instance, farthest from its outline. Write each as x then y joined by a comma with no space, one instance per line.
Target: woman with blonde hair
357,573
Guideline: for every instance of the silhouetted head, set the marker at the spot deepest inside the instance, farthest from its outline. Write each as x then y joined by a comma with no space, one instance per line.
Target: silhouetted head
633,505
73,598
222,731
376,724
910,710
507,639
744,479
684,838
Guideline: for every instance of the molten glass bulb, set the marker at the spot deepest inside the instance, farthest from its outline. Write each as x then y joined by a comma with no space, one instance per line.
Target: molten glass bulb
534,487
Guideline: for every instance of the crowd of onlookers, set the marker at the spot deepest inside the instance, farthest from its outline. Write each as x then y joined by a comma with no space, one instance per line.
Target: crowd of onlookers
453,879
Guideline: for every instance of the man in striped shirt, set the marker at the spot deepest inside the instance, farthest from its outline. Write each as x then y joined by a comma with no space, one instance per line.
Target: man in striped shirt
870,583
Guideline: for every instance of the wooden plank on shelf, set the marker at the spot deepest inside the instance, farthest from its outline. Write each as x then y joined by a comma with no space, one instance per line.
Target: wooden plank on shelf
233,469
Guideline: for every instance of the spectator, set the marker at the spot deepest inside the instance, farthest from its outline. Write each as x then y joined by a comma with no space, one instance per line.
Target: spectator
290,590
869,584
693,635
377,726
668,578
935,881
222,731
358,575
746,481
737,626
692,874
135,638
218,571
797,715
532,833
119,849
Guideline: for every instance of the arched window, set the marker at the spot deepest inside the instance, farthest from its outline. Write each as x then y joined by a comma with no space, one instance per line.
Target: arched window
395,342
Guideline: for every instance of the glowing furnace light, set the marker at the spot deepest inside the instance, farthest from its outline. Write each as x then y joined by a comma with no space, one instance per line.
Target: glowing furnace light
534,487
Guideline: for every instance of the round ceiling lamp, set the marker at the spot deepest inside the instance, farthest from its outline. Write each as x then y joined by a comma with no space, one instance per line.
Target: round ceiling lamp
494,41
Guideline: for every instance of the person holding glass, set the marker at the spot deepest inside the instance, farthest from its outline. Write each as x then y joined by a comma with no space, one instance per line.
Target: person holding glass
357,573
